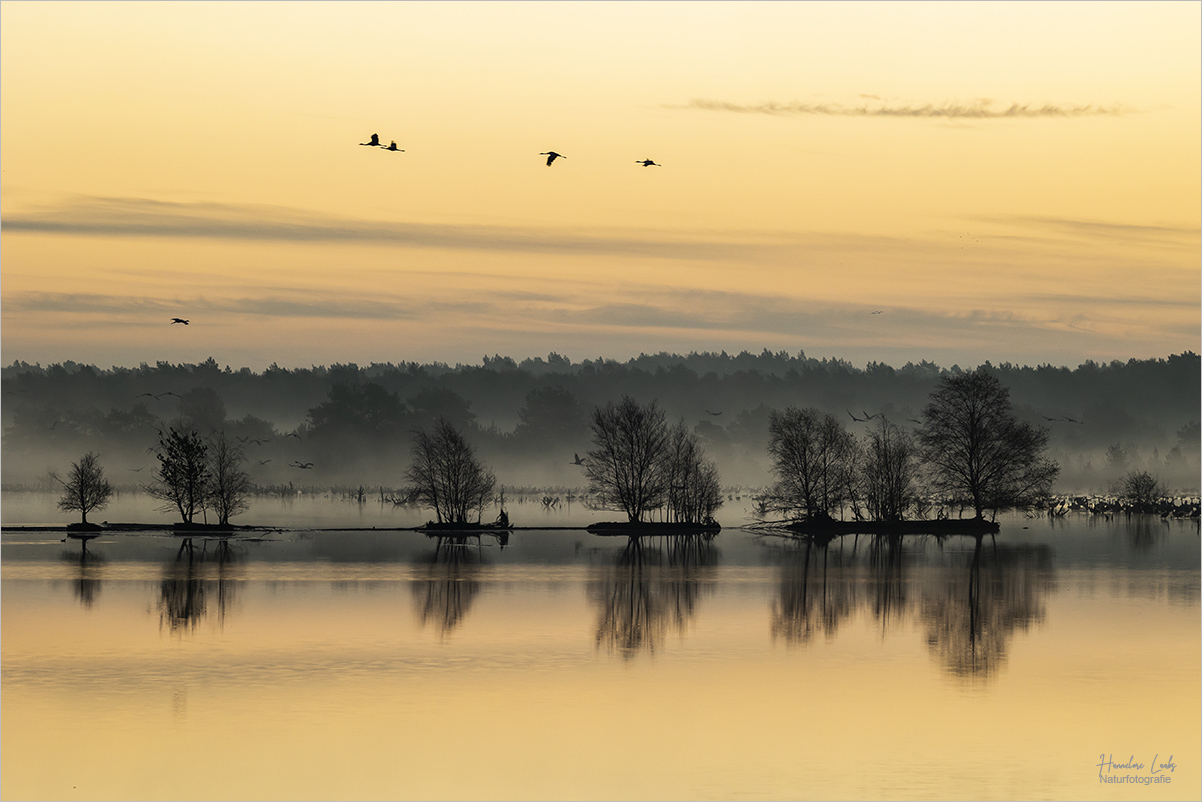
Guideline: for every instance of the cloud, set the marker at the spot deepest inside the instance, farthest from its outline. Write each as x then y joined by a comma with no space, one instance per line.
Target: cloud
139,217
978,109
1095,229
290,305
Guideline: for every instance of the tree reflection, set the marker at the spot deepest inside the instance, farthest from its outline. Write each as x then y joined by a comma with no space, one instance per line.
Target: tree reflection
887,581
970,610
1144,532
650,590
973,613
192,579
87,581
449,581
811,600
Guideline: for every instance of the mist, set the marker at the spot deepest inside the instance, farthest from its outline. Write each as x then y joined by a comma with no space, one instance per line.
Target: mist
528,418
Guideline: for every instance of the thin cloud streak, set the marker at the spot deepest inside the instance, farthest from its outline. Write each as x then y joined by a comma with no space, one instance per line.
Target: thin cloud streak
135,217
1099,228
979,109
290,305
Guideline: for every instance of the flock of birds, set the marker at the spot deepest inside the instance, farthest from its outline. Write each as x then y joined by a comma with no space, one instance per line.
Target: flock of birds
374,142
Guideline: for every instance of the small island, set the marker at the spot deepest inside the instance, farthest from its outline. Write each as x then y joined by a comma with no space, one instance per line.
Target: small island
938,526
652,528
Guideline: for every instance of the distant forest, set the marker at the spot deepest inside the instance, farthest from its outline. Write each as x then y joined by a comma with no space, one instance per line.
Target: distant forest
528,419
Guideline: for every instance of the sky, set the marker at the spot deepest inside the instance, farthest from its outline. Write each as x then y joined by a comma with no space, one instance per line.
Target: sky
892,182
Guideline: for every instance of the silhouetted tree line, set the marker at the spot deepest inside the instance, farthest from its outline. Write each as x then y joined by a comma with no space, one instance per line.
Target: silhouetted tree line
969,449
348,420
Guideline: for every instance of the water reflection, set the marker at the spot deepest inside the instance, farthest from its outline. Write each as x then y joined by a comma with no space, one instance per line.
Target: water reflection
651,590
970,605
811,601
193,579
86,582
449,581
887,559
1144,532
972,614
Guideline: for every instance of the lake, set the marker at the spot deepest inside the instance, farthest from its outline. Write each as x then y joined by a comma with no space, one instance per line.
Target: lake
308,664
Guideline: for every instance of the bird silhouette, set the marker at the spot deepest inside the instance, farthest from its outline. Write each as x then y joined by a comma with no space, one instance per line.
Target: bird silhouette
375,141
302,465
853,417
394,148
552,156
241,439
140,395
577,461
264,461
879,311
293,434
647,163
167,392
1071,420
175,320
712,413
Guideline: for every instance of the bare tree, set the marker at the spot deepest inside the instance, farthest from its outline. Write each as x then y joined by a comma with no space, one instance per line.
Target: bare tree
889,471
626,469
85,488
813,457
445,475
977,449
1141,489
229,485
694,492
181,480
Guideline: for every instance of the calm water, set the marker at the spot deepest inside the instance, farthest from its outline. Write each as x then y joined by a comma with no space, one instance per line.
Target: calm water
353,665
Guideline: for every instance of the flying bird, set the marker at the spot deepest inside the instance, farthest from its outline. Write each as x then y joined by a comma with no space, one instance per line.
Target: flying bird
167,392
853,417
264,461
175,320
1071,420
140,395
647,163
303,465
712,413
577,461
375,141
394,148
552,156
293,434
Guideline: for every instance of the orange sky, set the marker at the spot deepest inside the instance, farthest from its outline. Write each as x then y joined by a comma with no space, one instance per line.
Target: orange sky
1002,181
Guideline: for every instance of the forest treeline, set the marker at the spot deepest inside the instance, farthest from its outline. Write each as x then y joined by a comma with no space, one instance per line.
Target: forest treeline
528,418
